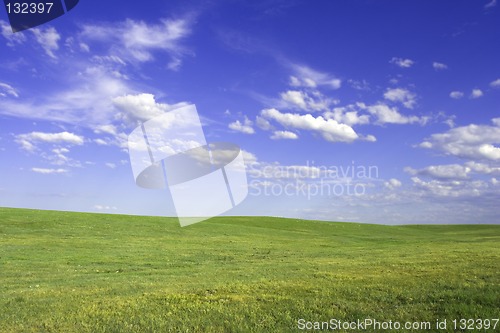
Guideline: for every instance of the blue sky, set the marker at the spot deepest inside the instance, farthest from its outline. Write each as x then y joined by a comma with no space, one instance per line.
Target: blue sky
405,94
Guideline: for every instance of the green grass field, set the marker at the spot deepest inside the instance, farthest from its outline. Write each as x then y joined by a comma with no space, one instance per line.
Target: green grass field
74,272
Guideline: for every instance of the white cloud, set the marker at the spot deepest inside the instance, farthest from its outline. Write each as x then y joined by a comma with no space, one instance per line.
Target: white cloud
110,165
495,84
59,157
28,141
403,96
403,63
263,123
329,129
49,171
349,114
310,78
108,129
456,94
439,66
136,40
476,93
359,84
392,184
450,188
448,171
48,38
490,4
315,101
87,101
8,90
483,168
295,97
141,107
471,142
84,47
102,142
104,207
388,115
278,135
245,127
12,38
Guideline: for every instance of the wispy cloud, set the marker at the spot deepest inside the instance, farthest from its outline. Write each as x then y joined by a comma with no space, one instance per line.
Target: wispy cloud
447,171
305,76
439,66
495,84
137,40
7,90
284,135
401,62
13,39
456,94
45,171
490,4
48,39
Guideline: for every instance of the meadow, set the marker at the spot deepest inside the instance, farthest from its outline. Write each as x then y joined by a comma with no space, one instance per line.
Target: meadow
78,272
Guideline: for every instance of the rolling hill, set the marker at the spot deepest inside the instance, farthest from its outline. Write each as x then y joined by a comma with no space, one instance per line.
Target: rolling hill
78,272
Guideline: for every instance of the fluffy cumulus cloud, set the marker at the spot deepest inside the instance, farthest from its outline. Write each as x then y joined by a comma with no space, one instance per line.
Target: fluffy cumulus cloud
136,40
243,127
390,115
476,93
295,97
477,142
329,129
401,62
439,66
392,184
307,77
285,135
400,95
349,114
30,140
456,94
141,107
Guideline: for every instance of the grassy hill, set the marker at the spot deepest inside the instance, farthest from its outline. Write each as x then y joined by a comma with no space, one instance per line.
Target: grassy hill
74,272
